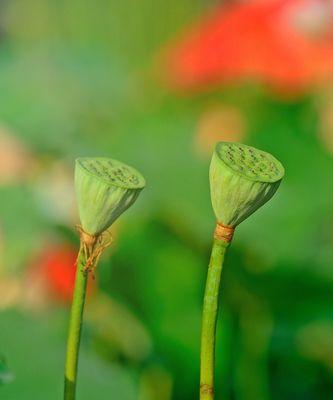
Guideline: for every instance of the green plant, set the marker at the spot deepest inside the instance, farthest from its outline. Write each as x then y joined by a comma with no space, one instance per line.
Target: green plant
5,374
105,188
242,179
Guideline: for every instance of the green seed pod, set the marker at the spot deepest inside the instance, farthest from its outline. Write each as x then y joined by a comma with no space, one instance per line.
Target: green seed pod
242,179
105,188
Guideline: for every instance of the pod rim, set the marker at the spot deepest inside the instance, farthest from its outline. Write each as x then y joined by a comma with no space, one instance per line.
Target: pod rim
269,179
141,180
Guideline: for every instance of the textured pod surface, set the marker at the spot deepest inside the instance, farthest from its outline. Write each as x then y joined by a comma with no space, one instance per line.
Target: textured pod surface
242,179
105,188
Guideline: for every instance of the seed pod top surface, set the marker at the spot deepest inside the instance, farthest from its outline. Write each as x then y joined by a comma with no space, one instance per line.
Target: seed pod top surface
242,179
105,188
250,162
112,172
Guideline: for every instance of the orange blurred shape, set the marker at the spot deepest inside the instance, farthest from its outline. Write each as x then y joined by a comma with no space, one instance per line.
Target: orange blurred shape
53,273
219,123
287,44
15,160
10,289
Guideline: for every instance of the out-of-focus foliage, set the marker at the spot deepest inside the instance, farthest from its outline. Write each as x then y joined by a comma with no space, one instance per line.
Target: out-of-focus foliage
36,351
5,375
82,78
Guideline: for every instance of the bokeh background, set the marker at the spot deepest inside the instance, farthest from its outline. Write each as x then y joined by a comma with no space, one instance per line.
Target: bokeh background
156,84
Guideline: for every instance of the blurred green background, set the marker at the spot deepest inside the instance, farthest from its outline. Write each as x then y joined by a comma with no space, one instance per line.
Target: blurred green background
85,78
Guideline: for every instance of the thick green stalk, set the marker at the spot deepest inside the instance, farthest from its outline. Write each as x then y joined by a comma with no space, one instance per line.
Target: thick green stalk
74,332
209,318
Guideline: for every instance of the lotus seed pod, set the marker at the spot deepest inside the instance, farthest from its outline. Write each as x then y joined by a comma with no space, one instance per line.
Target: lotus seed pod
242,179
105,188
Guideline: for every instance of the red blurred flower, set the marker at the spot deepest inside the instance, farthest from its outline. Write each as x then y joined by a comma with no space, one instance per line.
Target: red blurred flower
59,266
53,273
285,43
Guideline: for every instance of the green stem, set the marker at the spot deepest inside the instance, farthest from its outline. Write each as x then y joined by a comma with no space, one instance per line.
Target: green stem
74,332
209,318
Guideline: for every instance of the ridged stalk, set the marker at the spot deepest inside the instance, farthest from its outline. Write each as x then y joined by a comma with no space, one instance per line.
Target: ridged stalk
209,319
74,331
